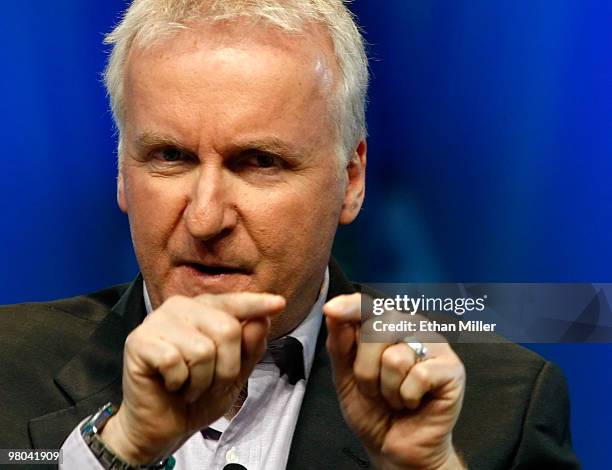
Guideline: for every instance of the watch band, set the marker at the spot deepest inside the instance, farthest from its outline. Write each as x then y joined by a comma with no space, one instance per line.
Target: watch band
107,458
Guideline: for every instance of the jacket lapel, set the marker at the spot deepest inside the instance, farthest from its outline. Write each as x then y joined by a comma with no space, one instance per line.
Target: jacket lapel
322,439
93,376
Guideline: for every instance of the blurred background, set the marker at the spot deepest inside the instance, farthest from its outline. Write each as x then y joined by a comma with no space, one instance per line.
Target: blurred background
490,147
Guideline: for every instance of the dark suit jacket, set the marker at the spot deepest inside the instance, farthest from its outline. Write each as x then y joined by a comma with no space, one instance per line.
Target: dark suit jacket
60,361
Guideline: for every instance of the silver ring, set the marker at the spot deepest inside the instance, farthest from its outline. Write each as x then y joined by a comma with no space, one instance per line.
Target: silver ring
420,350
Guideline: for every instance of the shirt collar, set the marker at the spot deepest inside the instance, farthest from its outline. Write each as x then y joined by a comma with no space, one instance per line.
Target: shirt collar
307,331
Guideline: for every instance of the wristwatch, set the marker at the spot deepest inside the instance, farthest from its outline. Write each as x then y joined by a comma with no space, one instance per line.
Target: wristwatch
108,459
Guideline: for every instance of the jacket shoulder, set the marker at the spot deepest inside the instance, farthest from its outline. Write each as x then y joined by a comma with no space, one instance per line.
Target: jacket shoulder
37,340
507,388
88,307
57,328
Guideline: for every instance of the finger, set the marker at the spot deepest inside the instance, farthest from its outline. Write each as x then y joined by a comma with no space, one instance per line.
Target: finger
200,354
344,308
341,345
198,350
367,367
221,327
254,333
435,376
244,305
395,363
341,317
225,331
152,354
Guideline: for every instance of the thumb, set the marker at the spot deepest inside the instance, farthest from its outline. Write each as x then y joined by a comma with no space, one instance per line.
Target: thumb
254,333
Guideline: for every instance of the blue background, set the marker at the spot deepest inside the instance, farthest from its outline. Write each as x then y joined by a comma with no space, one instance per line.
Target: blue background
489,158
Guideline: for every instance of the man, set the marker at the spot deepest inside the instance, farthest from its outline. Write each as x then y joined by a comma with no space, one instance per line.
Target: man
241,148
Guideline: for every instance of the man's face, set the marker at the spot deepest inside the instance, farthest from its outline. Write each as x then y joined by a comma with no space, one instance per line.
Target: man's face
229,173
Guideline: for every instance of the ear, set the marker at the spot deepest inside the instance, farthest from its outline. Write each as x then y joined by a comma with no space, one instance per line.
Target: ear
121,200
355,184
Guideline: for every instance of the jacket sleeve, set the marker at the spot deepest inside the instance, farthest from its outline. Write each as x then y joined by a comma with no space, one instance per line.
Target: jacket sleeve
546,439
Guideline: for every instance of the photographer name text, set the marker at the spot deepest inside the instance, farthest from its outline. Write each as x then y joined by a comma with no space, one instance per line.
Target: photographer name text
429,326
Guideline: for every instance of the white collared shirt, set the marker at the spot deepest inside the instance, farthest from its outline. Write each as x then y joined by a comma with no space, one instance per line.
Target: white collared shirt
259,436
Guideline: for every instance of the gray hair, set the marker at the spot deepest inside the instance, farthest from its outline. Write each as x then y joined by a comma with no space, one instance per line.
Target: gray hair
147,21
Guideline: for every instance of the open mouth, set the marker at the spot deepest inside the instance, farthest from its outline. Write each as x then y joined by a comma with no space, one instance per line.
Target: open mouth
215,270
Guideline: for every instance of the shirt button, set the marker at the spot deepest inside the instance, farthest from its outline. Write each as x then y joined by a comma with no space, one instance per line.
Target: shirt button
231,456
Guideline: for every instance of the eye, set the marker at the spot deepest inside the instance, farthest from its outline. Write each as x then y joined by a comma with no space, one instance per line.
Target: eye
264,160
171,155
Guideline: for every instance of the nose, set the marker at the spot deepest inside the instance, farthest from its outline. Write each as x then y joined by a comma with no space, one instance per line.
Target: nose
210,211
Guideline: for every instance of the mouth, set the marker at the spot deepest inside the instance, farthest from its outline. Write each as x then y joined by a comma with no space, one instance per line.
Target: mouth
215,270
193,278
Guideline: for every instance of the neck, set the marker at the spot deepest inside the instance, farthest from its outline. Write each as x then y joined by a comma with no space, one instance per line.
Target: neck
235,408
297,309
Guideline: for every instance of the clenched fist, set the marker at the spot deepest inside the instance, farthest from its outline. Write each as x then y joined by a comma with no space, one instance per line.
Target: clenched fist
402,410
183,367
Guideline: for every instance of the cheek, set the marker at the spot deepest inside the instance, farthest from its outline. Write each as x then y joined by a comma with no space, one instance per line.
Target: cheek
300,218
154,208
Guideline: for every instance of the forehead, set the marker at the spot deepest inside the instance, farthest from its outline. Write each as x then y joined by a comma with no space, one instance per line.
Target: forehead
233,69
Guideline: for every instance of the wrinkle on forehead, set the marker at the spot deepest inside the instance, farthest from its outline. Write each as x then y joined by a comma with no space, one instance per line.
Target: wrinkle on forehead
312,44
304,58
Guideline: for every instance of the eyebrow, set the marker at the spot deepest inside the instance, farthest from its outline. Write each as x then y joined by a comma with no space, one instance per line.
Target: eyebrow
148,140
271,145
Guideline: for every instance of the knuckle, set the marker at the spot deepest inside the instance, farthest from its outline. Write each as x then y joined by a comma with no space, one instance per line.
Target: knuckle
203,350
168,359
135,340
455,362
133,347
421,377
228,330
364,374
394,359
130,340
130,368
